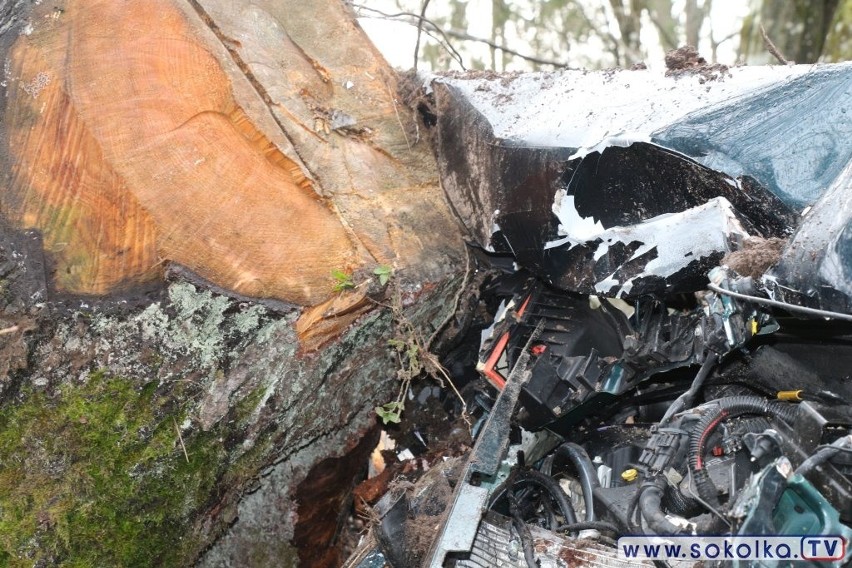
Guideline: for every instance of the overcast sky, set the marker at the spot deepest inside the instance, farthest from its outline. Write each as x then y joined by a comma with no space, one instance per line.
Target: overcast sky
396,39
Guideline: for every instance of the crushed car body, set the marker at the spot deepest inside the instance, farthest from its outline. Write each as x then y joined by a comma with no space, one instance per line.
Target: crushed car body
670,349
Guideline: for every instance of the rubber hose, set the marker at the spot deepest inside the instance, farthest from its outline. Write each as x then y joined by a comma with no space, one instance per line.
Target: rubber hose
726,409
549,515
685,400
590,525
586,472
679,504
650,504
532,477
817,459
823,455
522,529
614,511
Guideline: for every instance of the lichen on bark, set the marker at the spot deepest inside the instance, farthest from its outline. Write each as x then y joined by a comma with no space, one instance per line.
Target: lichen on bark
131,429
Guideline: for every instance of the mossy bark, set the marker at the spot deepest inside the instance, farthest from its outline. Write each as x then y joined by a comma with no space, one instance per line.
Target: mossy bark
131,430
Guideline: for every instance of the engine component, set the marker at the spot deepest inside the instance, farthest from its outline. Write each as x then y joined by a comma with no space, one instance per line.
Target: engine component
780,501
590,353
496,545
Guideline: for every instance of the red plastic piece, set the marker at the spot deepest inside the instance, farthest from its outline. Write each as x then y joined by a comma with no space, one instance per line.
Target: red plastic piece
493,376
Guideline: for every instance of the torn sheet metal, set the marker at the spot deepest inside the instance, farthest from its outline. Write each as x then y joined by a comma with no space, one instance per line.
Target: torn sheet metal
634,260
580,109
815,269
786,126
623,186
567,190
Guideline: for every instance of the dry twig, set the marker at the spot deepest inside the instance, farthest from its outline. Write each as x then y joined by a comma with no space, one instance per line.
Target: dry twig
432,26
180,439
419,32
771,48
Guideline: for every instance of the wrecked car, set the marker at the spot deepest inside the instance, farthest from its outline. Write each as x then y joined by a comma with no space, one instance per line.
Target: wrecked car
670,350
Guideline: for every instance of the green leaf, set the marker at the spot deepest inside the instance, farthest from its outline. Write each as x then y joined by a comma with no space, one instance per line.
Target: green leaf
384,272
344,281
390,412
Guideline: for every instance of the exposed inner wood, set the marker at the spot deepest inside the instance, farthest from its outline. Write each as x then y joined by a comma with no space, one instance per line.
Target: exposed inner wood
254,143
128,150
323,322
61,184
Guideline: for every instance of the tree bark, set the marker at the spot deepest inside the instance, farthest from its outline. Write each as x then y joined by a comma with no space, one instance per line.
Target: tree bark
182,178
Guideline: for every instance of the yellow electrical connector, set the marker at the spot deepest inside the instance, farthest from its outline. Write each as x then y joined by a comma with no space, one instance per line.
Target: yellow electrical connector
754,327
790,396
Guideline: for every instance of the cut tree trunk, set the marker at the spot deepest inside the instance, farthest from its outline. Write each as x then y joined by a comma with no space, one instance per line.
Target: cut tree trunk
256,144
181,178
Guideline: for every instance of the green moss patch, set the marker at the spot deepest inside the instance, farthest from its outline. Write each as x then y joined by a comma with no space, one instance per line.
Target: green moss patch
96,476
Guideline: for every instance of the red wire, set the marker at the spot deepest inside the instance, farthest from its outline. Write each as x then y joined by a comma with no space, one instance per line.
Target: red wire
699,464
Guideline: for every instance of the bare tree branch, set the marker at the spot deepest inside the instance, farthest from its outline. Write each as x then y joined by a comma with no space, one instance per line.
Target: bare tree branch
613,41
419,32
714,45
770,47
660,14
448,47
467,37
446,43
629,23
429,25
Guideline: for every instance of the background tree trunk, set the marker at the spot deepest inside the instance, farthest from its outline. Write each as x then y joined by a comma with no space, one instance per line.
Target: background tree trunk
181,179
797,27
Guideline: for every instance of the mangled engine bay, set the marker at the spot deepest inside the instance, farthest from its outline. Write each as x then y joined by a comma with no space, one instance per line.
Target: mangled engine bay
671,349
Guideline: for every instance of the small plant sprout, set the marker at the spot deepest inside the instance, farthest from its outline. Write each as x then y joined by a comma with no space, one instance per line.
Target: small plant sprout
343,281
384,273
390,412
413,360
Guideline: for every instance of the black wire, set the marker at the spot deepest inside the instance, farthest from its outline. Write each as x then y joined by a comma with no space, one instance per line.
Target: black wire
632,512
783,305
589,525
685,400
538,480
522,529
586,474
838,448
549,514
823,454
